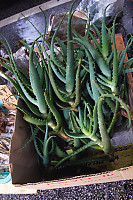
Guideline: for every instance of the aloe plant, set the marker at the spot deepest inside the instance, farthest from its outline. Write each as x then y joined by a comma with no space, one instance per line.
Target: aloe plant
76,99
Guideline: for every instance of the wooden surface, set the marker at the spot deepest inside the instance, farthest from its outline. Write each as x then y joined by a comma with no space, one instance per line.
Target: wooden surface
120,46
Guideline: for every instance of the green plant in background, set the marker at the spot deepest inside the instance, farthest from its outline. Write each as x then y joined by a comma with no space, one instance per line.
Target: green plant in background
73,101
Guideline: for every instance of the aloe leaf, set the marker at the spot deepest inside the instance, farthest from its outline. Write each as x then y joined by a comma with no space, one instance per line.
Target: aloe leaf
80,116
85,115
83,72
75,135
110,103
78,86
95,120
123,104
96,42
129,61
70,68
60,55
34,133
37,64
65,106
34,55
54,59
33,120
115,62
122,57
89,90
113,118
45,22
32,107
128,70
63,47
18,77
86,68
46,147
106,80
54,85
74,123
60,153
25,111
6,66
60,77
74,153
95,91
96,56
54,111
97,32
88,25
104,83
107,146
35,84
105,39
37,148
109,59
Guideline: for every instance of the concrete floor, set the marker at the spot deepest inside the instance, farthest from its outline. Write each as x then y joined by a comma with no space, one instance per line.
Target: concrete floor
9,8
21,29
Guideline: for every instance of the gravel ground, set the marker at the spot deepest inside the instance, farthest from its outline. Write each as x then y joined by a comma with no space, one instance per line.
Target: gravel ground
121,190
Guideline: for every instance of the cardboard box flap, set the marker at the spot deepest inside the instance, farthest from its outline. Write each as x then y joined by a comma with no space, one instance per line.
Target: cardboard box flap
126,173
9,188
115,175
23,162
31,188
79,21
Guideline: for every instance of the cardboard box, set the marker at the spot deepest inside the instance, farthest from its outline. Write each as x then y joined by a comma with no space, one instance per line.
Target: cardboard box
79,22
24,167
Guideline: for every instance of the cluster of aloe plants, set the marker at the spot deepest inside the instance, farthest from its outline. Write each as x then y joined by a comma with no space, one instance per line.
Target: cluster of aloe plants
73,101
